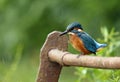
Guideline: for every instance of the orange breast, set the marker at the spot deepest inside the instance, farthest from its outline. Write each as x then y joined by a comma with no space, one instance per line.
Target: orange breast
78,44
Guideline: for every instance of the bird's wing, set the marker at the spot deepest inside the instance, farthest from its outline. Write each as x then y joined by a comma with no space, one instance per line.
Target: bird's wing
88,41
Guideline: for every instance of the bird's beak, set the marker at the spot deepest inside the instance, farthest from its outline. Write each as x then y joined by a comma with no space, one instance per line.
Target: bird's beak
63,33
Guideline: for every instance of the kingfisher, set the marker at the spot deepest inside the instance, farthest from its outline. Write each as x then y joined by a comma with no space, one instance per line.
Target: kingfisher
81,40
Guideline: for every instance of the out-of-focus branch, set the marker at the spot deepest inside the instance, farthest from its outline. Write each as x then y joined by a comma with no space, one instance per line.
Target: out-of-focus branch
66,58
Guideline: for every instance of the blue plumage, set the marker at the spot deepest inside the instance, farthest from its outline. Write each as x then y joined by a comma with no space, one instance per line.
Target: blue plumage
74,24
89,43
81,40
98,45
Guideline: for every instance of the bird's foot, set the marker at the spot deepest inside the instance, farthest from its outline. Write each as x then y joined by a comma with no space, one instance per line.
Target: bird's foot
80,55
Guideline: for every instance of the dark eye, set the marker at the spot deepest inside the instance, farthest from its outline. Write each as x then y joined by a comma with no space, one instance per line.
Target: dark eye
70,29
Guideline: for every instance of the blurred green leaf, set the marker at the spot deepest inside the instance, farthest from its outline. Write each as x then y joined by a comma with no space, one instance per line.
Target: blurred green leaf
10,71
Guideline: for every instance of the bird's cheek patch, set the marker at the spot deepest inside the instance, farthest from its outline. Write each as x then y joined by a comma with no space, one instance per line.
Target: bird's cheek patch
71,33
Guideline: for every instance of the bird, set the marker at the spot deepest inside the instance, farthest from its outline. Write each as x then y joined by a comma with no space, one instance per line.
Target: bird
81,40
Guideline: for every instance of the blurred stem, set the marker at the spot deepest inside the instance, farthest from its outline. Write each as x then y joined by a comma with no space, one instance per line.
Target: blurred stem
15,63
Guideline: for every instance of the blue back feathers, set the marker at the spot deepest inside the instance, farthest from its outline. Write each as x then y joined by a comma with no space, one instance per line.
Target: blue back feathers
89,43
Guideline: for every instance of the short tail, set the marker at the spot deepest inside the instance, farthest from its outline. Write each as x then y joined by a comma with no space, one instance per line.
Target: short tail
101,46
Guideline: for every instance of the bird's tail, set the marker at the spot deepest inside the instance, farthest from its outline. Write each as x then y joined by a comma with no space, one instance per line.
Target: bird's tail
101,46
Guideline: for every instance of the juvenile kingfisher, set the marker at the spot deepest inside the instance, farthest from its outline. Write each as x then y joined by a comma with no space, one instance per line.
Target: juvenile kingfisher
82,41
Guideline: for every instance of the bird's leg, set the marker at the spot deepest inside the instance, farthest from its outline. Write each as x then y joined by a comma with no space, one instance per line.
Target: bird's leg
81,54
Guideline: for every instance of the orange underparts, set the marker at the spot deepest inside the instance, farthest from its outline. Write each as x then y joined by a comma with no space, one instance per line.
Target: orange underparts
78,44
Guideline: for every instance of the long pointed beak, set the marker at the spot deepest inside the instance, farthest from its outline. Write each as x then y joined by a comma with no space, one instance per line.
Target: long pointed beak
63,33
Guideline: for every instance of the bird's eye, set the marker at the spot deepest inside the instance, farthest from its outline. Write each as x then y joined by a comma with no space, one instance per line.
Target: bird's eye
70,29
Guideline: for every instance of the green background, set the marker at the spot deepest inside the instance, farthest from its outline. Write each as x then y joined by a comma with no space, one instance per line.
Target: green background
24,25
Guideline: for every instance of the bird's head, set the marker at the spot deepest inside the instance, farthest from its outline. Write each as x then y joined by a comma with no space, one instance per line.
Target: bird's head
71,27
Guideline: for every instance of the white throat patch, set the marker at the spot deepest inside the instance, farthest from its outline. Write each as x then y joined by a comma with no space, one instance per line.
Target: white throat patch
71,33
79,30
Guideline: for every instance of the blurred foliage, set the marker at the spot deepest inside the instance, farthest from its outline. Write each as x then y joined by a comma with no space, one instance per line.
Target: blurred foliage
28,22
112,38
14,65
